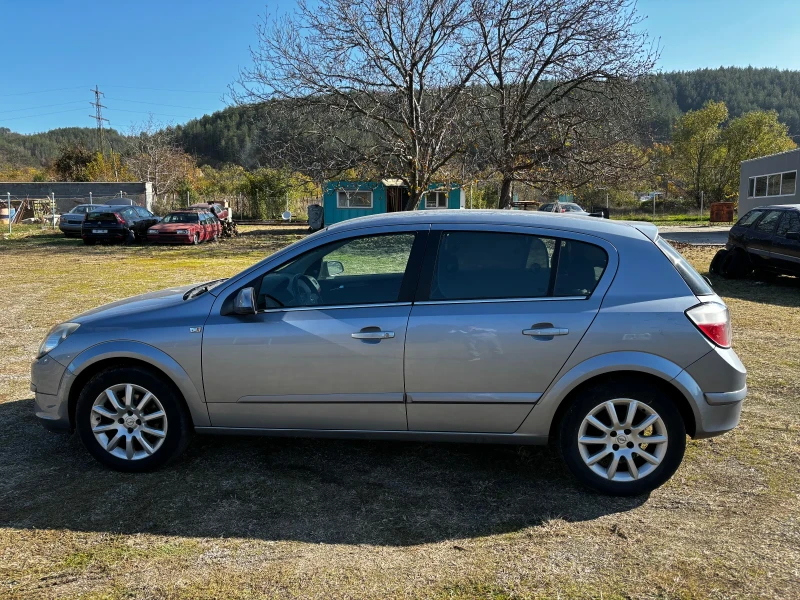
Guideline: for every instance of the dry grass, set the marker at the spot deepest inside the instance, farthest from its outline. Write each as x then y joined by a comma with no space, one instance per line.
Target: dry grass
253,518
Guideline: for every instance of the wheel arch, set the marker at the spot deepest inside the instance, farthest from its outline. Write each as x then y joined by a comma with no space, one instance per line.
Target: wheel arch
646,368
133,354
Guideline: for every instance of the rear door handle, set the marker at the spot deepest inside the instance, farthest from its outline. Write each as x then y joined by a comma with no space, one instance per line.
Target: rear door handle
545,331
373,335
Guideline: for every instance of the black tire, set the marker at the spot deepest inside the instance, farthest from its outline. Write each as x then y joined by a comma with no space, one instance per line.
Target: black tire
736,265
178,425
196,240
716,262
644,393
89,242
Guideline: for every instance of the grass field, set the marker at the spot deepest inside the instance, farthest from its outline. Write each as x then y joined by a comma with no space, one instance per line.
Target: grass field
253,518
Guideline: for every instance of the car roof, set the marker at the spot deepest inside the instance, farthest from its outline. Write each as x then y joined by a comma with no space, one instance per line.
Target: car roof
779,207
578,223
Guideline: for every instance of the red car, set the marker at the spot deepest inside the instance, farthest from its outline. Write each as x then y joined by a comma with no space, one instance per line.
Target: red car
214,208
185,227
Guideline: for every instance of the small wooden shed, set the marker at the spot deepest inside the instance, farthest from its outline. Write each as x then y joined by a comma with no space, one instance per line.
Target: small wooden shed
344,200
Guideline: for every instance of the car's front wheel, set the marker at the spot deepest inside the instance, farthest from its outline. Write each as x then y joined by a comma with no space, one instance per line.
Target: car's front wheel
130,419
623,439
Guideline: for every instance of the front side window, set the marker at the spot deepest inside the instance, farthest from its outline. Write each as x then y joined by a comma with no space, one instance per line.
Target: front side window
789,222
767,224
364,270
749,218
353,199
436,200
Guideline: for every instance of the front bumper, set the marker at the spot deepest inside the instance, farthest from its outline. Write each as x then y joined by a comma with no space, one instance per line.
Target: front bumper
49,406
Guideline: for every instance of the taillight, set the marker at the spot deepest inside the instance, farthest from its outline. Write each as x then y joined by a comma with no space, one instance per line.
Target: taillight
120,220
714,321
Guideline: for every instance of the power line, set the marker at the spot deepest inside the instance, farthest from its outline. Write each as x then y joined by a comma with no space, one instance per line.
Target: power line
145,112
58,112
40,92
130,87
155,103
42,106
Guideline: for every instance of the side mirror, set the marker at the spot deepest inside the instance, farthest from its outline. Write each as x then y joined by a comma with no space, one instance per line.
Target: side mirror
793,235
333,267
245,302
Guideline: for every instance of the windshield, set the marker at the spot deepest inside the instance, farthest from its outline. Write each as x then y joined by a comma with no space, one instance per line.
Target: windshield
181,218
80,210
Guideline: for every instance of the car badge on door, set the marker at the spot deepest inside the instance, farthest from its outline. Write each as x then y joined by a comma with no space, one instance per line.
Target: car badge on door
195,329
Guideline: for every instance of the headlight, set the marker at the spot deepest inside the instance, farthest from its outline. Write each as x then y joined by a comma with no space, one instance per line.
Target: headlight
152,231
55,336
182,232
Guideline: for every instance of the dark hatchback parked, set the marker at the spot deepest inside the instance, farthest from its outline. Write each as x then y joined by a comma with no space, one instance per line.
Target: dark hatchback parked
765,241
117,224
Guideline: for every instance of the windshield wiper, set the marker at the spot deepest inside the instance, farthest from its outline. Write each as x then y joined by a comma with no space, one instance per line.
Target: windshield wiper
201,289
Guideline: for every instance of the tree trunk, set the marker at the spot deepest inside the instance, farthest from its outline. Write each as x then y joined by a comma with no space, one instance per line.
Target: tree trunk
505,192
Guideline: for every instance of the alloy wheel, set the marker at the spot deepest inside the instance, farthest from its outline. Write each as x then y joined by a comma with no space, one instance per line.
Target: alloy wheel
128,421
622,440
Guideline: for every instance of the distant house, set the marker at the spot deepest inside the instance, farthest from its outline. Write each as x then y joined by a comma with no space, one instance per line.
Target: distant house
769,180
342,200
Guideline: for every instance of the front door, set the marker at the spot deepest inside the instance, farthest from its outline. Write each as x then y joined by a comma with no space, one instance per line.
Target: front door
759,238
325,350
502,314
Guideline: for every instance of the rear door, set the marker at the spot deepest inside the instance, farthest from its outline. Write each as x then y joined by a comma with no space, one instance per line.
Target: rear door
786,245
498,312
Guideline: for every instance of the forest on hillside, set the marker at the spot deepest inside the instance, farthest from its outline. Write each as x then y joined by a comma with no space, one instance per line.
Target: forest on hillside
235,134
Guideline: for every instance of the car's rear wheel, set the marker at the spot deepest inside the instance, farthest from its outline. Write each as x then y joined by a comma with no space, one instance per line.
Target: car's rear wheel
623,439
130,419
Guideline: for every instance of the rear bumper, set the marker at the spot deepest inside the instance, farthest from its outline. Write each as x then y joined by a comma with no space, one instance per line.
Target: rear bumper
113,235
72,228
170,239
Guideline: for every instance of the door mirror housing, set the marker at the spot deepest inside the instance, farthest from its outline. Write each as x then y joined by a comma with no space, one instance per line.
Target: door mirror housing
793,235
245,302
333,267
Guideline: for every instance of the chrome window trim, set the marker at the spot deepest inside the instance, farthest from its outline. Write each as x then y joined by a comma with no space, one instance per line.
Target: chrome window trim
496,300
331,307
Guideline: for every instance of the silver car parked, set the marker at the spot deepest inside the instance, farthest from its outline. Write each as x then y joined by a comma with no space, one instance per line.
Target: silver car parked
501,327
70,223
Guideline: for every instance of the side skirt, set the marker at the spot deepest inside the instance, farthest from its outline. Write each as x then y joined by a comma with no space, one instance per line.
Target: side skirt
411,436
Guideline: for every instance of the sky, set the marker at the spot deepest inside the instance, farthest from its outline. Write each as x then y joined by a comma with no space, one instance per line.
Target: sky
176,58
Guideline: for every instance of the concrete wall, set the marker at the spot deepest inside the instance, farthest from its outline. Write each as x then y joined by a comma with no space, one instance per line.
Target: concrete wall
767,165
69,194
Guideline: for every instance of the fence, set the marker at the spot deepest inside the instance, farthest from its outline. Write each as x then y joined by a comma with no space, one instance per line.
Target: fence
245,207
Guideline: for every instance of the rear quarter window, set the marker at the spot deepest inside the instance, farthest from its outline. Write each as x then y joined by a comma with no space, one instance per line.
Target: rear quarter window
693,279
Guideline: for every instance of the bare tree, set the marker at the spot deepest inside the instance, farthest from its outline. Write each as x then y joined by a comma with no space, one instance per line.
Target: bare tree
557,95
376,83
156,157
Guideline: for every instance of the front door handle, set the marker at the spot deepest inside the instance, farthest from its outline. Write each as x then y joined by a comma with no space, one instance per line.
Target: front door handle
373,335
546,331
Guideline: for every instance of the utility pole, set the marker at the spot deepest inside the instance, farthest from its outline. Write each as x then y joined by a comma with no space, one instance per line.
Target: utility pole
98,116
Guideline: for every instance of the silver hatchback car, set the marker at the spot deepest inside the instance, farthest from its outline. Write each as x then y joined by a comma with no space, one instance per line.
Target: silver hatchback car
467,326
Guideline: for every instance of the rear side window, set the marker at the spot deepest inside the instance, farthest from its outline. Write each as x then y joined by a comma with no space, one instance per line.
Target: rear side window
580,267
789,222
767,224
693,279
482,265
749,218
